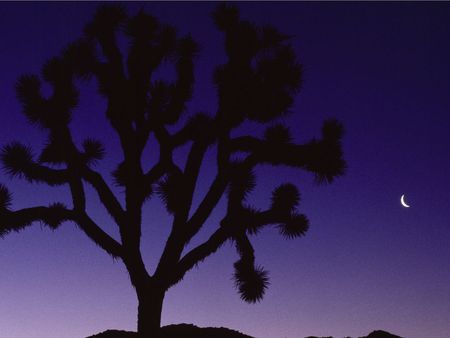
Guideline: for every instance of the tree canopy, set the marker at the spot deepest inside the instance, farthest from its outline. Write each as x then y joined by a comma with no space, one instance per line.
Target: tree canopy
258,83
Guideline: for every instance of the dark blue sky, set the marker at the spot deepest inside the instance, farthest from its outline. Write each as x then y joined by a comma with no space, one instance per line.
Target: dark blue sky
383,69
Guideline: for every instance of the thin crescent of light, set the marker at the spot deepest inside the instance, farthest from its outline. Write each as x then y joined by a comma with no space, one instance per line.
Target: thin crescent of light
402,201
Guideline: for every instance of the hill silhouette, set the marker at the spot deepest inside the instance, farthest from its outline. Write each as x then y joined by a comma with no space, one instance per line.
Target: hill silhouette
178,331
374,334
192,331
381,334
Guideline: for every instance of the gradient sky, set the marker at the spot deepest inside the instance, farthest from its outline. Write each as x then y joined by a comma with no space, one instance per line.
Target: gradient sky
367,263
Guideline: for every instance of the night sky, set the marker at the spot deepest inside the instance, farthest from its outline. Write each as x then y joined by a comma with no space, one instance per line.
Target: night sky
382,69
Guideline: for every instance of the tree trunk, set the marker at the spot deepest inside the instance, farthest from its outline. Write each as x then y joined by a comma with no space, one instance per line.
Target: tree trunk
150,301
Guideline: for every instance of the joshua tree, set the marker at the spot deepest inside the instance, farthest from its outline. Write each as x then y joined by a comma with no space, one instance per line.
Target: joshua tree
258,83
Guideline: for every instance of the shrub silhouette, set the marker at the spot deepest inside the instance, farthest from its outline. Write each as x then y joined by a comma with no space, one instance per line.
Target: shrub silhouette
257,83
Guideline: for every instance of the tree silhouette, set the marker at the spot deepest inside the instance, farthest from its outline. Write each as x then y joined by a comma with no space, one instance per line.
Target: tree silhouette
258,83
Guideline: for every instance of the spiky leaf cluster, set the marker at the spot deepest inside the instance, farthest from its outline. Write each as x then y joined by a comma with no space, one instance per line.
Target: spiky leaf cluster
251,281
59,74
172,192
45,113
5,198
150,44
55,111
242,182
248,216
106,21
93,151
56,215
18,162
262,75
326,156
121,175
295,226
332,130
123,178
17,159
9,224
28,89
285,198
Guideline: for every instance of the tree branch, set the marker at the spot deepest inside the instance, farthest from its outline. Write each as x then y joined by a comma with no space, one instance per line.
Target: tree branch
178,236
191,172
207,205
321,157
165,163
96,234
53,216
229,226
198,254
17,220
105,194
18,162
40,173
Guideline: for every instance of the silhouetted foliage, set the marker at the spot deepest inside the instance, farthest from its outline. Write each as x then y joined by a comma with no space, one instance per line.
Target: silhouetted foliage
258,83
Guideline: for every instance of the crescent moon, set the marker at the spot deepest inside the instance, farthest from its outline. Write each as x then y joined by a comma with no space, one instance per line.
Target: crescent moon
402,201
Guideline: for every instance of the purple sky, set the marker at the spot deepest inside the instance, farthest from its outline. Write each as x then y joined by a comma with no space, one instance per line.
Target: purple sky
366,263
